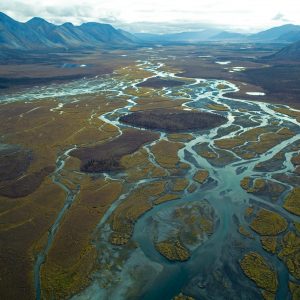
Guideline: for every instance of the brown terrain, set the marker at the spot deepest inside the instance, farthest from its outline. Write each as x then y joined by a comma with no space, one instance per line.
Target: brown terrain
30,200
36,135
258,74
40,68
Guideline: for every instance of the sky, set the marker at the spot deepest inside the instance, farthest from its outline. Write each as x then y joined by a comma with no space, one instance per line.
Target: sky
160,16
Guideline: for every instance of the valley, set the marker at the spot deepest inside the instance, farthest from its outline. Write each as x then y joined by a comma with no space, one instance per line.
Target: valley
167,176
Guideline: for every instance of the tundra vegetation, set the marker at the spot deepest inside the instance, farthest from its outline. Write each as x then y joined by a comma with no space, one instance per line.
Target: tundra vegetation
127,178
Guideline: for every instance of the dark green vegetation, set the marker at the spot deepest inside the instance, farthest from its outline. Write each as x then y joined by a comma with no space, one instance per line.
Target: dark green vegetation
106,157
24,185
173,120
158,82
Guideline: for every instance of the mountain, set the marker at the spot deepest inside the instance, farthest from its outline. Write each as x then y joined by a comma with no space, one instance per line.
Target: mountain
14,34
229,36
37,33
181,37
289,53
283,34
276,34
290,37
130,36
192,37
104,33
149,37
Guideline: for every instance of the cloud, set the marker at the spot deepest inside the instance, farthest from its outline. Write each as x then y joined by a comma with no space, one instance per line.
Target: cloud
19,9
70,11
280,17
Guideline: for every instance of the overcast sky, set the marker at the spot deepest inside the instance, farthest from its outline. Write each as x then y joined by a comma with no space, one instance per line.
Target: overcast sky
161,15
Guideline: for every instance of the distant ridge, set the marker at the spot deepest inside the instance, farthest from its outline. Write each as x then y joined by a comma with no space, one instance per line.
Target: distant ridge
282,34
189,36
229,36
37,33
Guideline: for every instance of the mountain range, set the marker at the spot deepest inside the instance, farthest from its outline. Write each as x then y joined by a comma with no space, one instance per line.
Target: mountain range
283,34
37,34
40,34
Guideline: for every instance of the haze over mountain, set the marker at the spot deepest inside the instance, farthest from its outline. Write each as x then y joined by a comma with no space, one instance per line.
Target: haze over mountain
280,34
192,36
229,36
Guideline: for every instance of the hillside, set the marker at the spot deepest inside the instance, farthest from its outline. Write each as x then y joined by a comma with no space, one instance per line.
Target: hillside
289,53
277,34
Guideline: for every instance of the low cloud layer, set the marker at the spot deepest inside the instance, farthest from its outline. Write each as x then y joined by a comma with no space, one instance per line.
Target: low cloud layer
159,16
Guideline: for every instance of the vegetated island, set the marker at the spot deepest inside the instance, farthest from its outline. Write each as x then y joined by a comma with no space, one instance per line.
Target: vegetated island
173,120
106,157
158,83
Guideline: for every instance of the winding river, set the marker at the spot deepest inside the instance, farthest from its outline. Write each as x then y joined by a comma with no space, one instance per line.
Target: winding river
223,193
226,196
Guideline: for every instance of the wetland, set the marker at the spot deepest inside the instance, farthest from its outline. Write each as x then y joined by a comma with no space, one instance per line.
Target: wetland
148,182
